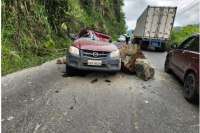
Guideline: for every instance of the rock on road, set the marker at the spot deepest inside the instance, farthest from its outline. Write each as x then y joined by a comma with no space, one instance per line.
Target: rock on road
42,100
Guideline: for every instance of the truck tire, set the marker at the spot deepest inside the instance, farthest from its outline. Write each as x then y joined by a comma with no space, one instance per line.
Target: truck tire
190,87
144,46
162,48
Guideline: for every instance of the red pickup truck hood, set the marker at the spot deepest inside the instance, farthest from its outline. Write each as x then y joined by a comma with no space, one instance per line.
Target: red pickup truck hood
88,44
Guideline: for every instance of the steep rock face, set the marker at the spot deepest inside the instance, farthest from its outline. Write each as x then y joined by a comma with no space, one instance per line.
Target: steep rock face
32,30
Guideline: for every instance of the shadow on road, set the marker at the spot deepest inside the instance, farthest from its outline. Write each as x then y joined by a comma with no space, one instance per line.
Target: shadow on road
174,77
85,73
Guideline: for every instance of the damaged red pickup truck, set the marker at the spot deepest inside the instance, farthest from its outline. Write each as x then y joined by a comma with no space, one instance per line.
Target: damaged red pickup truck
93,50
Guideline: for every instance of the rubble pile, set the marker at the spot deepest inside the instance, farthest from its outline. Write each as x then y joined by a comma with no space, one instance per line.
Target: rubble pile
134,61
129,54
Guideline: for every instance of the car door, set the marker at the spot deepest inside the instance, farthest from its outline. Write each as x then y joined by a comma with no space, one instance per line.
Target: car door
179,57
191,54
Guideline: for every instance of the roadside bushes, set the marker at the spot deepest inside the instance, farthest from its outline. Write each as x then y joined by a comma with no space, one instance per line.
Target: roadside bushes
26,35
179,34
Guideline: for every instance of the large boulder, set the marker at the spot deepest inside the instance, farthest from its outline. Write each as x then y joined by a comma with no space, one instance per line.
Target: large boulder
144,69
129,54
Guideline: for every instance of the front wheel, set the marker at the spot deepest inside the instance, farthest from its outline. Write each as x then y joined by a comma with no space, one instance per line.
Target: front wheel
190,87
71,71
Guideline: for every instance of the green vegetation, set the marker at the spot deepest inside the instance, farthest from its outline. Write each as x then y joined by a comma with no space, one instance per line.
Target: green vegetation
34,30
179,34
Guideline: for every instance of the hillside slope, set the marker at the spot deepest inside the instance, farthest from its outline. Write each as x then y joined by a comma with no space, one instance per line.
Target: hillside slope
34,31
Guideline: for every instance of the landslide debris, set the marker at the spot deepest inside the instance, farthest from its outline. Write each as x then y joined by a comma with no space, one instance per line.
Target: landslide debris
134,61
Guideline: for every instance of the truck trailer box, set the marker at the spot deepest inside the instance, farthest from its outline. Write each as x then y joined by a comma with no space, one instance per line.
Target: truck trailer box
156,22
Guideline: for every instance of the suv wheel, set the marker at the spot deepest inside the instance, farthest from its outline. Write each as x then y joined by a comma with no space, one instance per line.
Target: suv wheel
190,87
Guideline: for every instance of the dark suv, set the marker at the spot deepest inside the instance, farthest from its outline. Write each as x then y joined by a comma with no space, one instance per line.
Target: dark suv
184,62
93,50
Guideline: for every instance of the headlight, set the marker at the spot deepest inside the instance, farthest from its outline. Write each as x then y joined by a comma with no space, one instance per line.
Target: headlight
74,51
115,54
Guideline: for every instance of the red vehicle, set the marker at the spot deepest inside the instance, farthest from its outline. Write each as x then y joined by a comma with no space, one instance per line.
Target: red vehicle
184,62
93,50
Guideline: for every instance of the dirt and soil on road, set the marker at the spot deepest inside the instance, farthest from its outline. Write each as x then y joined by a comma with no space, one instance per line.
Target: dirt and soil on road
43,99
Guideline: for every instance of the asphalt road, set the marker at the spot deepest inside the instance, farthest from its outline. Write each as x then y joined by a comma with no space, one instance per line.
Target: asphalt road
44,100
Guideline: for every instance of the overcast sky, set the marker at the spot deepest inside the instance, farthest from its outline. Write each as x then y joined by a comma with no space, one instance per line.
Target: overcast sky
187,10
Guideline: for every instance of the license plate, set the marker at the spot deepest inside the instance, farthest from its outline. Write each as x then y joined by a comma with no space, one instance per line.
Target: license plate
94,62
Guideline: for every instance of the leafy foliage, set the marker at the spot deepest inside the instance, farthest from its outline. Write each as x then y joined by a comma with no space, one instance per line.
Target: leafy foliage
33,30
179,34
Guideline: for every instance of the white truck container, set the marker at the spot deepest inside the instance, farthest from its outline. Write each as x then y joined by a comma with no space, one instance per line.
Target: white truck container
155,24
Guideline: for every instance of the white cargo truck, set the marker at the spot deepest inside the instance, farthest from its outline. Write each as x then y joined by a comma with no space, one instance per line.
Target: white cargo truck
154,26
